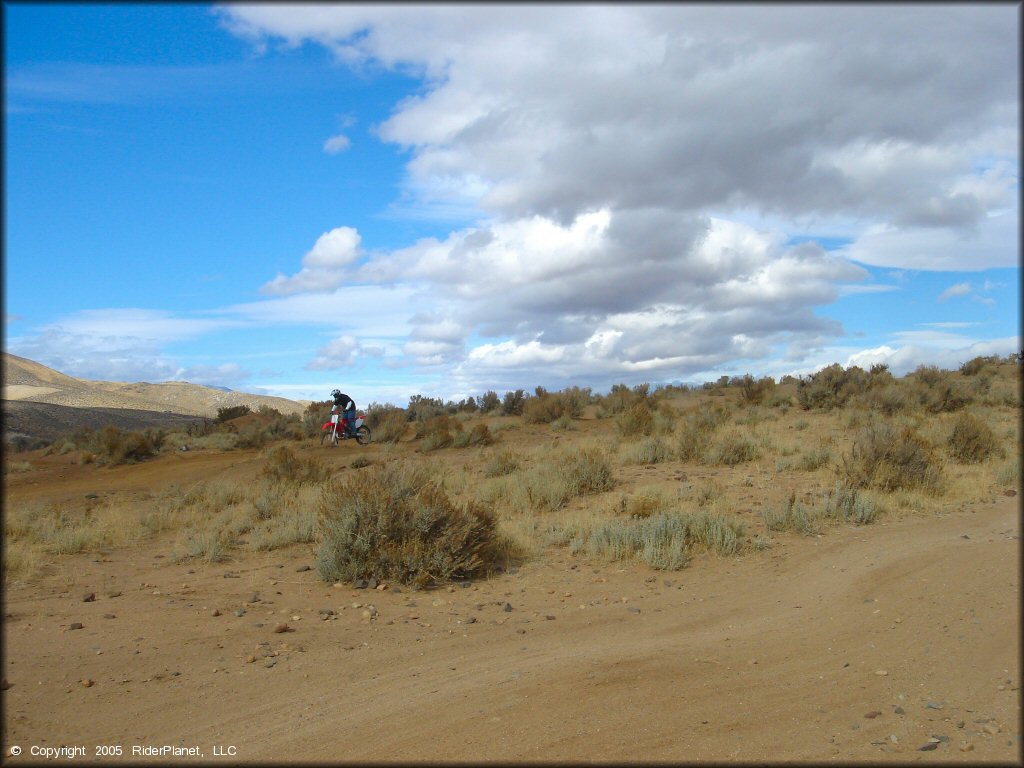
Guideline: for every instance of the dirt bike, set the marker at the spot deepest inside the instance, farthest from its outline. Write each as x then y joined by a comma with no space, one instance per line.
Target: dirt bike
334,430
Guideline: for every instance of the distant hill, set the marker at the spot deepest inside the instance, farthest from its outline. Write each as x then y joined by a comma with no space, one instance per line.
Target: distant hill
37,399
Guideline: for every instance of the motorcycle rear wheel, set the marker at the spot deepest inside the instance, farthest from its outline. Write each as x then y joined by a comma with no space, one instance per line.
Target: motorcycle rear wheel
363,436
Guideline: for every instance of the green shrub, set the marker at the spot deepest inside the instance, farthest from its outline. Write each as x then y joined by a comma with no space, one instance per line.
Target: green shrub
831,387
232,412
397,525
113,446
543,410
488,402
513,403
423,408
972,440
889,459
979,364
754,391
315,416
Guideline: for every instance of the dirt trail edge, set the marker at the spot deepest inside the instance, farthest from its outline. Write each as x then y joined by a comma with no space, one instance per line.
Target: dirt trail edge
896,642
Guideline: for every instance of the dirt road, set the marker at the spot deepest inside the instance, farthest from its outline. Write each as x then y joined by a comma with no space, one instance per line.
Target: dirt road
893,642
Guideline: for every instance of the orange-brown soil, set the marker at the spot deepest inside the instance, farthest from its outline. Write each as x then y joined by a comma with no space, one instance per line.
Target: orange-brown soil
867,644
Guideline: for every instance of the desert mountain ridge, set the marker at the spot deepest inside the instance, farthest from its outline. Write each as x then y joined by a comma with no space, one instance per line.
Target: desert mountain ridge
34,393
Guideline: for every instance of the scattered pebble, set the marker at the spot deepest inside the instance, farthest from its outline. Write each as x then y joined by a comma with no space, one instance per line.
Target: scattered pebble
303,568
89,598
933,705
881,672
900,711
282,627
928,747
990,728
88,682
216,612
109,616
872,714
75,625
967,747
240,612
507,608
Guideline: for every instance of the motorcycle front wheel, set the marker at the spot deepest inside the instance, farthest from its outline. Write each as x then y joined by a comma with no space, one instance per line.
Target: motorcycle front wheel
330,437
363,435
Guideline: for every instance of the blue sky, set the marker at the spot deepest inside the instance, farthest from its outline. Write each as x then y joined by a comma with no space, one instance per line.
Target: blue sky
444,200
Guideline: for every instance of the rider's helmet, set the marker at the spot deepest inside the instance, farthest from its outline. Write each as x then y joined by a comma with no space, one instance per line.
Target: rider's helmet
336,394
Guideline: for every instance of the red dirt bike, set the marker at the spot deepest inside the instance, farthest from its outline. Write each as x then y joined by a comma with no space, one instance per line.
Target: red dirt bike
334,430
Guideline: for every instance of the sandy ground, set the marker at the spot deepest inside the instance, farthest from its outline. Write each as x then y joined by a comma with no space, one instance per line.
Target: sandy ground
861,645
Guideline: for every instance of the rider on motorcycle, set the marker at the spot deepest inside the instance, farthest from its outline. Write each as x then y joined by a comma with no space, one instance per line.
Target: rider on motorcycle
347,405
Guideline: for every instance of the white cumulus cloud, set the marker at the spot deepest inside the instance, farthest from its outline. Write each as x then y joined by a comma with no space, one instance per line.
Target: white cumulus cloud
323,266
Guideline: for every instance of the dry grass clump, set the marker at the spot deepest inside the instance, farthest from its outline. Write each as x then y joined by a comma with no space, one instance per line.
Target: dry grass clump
283,466
548,407
814,458
568,475
755,391
733,448
478,435
937,391
388,424
643,503
436,432
698,425
111,445
650,450
843,504
636,421
502,462
889,459
663,540
972,441
397,524
60,529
